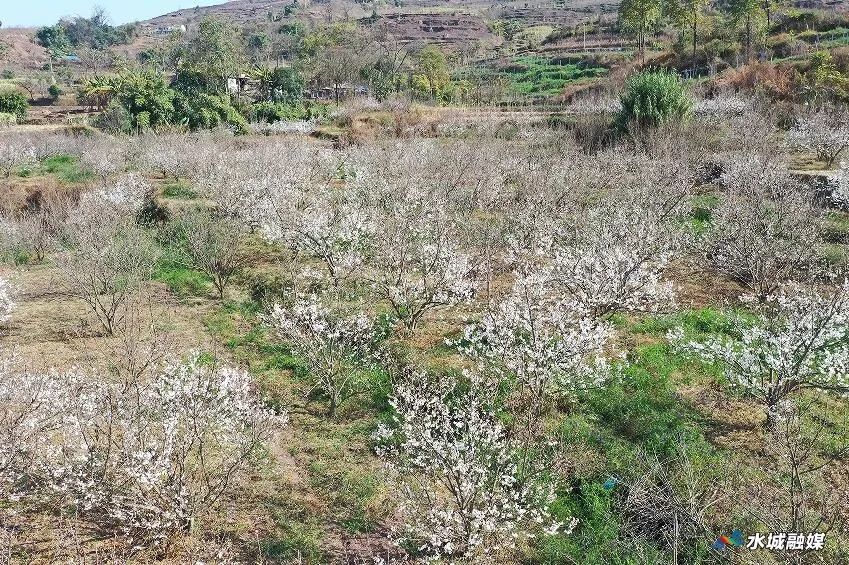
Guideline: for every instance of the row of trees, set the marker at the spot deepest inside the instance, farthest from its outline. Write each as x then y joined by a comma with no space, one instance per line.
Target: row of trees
421,229
696,18
93,34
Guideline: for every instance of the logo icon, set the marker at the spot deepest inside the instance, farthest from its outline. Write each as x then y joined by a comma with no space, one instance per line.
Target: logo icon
734,540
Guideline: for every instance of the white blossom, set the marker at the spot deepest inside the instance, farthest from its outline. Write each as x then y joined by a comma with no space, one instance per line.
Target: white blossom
799,340
7,304
826,133
549,343
338,349
461,493
142,461
765,230
16,151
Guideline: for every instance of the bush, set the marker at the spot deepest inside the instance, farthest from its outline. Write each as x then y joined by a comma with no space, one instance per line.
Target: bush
270,112
267,288
115,119
652,98
13,102
205,111
54,91
7,119
144,93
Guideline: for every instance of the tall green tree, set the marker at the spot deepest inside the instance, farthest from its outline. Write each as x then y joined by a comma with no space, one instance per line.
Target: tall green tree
214,53
745,13
96,32
335,54
689,15
55,41
432,71
283,84
639,17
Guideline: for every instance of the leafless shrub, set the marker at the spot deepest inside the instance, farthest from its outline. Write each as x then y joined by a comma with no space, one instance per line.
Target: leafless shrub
15,151
766,229
826,133
108,258
673,499
143,459
212,245
800,492
141,343
104,157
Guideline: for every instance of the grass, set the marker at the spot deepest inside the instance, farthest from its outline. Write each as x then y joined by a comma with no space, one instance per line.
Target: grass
179,190
339,468
181,280
299,534
639,412
701,212
836,37
694,322
836,227
534,75
66,168
354,492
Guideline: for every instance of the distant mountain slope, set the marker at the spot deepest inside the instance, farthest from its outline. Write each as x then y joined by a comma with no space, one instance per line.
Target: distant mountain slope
559,11
449,21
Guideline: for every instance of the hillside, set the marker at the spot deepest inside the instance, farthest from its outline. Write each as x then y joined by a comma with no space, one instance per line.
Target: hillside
453,21
23,52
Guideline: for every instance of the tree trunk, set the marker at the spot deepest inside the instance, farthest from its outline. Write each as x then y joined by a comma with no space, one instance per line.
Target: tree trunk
748,38
695,27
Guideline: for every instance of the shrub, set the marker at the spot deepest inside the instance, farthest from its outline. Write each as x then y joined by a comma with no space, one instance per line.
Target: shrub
652,98
7,119
204,111
269,287
54,91
270,112
115,119
13,102
144,93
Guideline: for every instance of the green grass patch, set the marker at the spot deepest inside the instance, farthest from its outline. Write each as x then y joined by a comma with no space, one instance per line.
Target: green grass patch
298,537
179,190
694,322
181,280
534,75
351,491
834,254
836,227
701,212
597,540
641,408
66,168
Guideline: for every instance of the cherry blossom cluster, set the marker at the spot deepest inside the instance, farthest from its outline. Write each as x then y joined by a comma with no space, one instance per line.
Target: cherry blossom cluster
126,193
550,344
614,261
7,303
724,105
421,266
825,133
799,340
104,157
462,494
337,349
766,229
142,460
328,223
840,190
16,151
